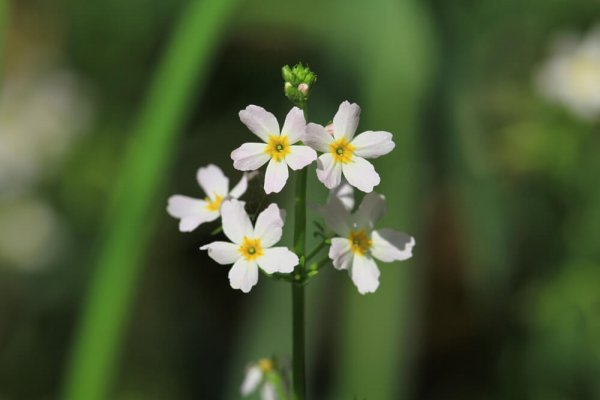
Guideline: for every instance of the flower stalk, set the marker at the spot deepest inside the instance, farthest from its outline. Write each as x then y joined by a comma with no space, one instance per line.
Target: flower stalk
298,310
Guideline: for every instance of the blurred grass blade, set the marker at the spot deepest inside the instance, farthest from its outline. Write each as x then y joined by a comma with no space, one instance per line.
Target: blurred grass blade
4,9
106,310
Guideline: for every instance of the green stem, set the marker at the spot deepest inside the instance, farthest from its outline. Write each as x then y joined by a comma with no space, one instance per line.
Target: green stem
316,250
112,287
298,317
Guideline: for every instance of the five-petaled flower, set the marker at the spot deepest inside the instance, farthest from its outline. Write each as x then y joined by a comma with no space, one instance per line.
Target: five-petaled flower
256,374
279,148
345,154
194,212
251,247
358,243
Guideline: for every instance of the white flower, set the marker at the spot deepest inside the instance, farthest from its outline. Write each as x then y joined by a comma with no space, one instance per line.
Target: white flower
252,246
41,117
359,243
255,376
571,76
344,153
278,148
194,212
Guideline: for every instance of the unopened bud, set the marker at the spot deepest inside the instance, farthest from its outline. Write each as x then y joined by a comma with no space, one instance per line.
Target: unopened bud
303,88
298,79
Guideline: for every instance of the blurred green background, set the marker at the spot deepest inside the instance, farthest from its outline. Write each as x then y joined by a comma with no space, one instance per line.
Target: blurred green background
108,107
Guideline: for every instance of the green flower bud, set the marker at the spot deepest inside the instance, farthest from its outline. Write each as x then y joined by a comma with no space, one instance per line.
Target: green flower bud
298,83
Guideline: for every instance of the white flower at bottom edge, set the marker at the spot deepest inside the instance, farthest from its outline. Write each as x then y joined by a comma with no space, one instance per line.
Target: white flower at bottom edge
279,148
255,376
194,212
344,154
251,247
359,244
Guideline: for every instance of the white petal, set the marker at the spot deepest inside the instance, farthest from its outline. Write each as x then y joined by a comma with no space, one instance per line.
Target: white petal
183,206
191,212
318,138
336,216
390,245
294,126
278,259
252,379
261,122
236,223
329,172
268,392
213,181
346,120
300,157
276,176
345,193
222,252
340,253
371,209
364,274
188,224
372,144
241,187
361,174
243,275
249,156
268,227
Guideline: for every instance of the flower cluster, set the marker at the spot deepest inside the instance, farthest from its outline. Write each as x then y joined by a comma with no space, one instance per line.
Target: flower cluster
354,241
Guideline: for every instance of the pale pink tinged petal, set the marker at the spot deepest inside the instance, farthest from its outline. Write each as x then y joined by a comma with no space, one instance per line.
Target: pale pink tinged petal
345,192
361,174
390,245
268,392
300,157
340,253
241,187
318,138
249,156
268,227
336,216
213,181
372,144
253,378
191,212
346,120
364,274
243,275
236,223
261,122
329,172
371,209
276,176
222,252
294,126
278,259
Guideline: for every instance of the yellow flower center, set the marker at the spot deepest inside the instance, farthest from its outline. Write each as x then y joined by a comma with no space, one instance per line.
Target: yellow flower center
213,205
265,364
342,150
360,242
251,249
278,147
